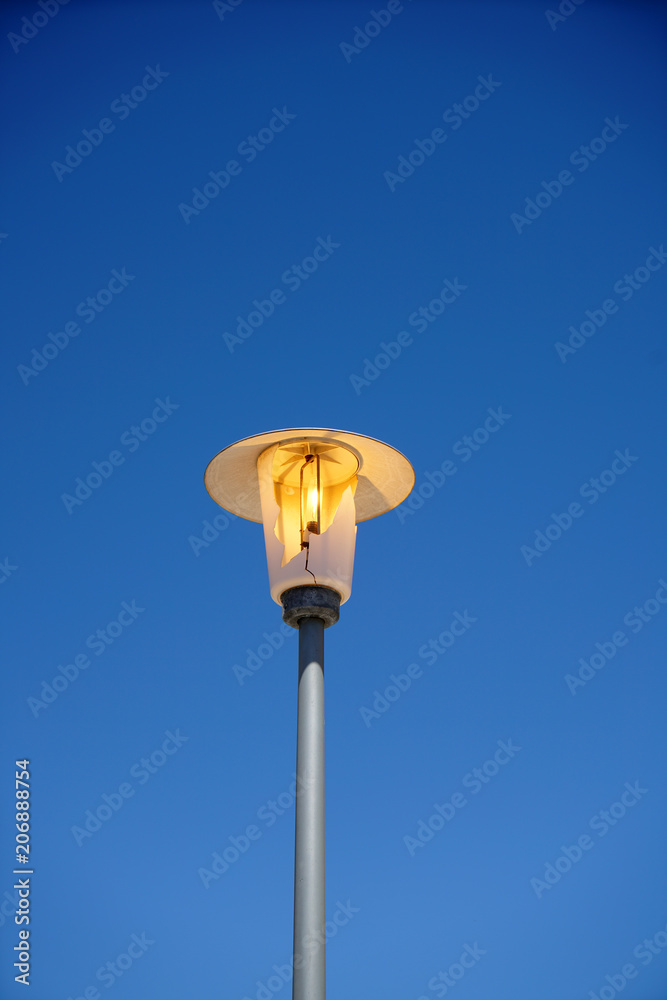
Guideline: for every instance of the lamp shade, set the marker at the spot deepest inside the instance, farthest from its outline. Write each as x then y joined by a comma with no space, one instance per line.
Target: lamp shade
309,487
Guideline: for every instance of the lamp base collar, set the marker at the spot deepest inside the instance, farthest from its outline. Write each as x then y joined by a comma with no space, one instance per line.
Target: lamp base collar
310,602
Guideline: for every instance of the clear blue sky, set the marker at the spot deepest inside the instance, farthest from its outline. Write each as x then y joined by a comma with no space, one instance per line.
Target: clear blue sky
480,185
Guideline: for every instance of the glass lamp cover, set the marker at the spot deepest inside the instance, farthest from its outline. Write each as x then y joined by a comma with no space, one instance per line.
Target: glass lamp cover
307,498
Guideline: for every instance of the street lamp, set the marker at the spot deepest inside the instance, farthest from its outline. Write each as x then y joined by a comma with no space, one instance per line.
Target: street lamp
309,487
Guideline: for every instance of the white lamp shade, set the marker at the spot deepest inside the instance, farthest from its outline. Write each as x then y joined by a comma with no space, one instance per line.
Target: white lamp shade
309,487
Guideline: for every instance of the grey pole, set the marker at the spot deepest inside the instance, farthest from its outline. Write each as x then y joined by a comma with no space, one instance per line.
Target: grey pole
309,899
311,610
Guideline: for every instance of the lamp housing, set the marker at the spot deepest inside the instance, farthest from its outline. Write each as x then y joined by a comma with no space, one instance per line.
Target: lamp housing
309,487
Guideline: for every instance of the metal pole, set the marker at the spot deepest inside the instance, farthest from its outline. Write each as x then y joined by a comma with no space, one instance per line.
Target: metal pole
309,902
311,609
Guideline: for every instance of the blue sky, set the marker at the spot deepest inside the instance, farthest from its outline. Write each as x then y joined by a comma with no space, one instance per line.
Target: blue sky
483,184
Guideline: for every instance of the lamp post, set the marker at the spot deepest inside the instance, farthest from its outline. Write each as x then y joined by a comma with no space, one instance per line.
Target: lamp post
309,487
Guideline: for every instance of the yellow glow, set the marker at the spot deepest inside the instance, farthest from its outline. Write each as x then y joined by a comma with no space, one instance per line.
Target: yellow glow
312,504
301,504
310,487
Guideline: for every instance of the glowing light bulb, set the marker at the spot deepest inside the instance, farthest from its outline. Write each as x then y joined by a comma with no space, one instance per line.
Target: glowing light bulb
312,506
310,497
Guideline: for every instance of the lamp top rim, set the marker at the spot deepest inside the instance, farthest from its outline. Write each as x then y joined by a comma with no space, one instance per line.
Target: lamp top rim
384,480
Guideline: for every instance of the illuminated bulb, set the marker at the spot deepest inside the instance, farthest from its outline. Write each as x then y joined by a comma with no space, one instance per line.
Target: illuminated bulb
312,511
310,497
